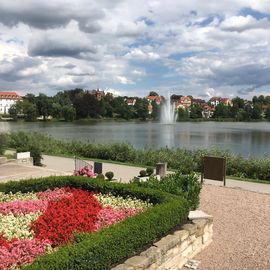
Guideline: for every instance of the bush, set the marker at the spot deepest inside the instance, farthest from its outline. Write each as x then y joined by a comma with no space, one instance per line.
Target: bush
142,173
103,249
187,186
149,171
109,175
101,176
3,142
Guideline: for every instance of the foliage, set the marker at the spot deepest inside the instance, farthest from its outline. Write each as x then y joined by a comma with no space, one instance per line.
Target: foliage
184,160
142,173
3,142
149,171
24,142
187,186
103,249
109,175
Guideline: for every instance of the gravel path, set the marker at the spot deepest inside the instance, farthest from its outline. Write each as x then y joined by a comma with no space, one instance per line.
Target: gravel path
241,229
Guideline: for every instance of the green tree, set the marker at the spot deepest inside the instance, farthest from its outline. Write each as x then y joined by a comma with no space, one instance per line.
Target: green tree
221,111
141,108
195,111
57,110
29,111
183,114
68,112
267,114
86,105
15,110
256,112
153,93
155,111
44,106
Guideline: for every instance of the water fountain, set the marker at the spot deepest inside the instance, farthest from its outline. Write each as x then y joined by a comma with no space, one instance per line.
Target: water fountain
168,112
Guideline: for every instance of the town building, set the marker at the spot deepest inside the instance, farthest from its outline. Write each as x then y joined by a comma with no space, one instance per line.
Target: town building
97,93
184,102
214,101
207,111
7,99
157,99
131,101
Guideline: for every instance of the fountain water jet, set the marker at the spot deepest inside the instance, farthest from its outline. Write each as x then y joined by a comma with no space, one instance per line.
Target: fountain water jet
168,112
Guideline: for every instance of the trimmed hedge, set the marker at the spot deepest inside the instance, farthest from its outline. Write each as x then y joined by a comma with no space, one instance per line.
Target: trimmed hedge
103,249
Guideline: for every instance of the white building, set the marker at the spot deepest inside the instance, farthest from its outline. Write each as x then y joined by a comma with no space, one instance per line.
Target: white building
7,99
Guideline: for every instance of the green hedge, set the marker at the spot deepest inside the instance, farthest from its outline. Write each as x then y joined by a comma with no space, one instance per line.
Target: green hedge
107,247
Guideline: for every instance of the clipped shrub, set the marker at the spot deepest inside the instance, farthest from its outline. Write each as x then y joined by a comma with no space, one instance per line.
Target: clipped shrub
109,175
142,173
101,176
149,171
105,248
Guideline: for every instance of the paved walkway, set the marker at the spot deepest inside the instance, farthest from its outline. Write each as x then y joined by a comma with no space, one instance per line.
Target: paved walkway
65,166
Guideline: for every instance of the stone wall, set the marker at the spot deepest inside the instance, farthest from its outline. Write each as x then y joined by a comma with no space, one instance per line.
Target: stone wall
174,250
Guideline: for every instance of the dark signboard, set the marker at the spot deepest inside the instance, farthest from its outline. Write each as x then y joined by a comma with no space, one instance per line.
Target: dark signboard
214,168
97,167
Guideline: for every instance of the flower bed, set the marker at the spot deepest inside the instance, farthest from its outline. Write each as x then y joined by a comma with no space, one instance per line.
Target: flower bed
32,224
110,203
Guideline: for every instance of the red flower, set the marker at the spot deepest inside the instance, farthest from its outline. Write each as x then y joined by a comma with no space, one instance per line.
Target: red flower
77,213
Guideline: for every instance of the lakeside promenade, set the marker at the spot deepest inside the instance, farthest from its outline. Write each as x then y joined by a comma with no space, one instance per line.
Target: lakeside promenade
54,165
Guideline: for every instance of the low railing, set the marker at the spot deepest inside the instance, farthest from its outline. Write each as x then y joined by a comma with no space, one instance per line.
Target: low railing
80,163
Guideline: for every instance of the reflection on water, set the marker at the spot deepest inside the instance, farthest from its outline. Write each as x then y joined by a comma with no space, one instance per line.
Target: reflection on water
248,139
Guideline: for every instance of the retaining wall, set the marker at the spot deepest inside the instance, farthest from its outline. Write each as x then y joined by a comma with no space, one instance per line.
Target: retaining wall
174,250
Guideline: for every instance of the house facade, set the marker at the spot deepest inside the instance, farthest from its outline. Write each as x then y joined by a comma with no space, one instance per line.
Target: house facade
184,102
7,99
217,100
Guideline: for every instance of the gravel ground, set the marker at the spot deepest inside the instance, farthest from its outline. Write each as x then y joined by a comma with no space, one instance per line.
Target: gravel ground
241,229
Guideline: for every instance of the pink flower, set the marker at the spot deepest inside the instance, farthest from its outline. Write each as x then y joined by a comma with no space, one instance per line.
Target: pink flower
23,207
21,252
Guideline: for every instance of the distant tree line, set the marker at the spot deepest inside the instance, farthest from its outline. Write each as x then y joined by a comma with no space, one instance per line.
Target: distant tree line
240,110
79,104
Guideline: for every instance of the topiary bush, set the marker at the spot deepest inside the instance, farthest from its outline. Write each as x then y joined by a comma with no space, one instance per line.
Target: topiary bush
142,173
103,249
149,171
109,175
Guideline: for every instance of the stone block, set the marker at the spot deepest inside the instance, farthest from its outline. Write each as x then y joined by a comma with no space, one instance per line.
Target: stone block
153,253
138,262
201,223
187,251
191,228
167,242
122,267
198,214
183,235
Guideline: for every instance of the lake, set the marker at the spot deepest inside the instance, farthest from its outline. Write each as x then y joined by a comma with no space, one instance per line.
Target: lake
248,139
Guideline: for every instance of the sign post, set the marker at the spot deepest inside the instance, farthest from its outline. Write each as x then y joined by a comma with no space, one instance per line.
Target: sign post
214,168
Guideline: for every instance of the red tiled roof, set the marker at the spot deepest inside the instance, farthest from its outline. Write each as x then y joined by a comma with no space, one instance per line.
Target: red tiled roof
9,95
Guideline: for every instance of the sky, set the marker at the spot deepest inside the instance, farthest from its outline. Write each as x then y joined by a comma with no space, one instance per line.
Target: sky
130,47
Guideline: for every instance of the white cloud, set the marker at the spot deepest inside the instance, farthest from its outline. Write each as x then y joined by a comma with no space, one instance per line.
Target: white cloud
138,54
123,80
53,45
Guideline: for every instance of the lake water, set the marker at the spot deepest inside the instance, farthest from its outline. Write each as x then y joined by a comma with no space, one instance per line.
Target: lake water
248,139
